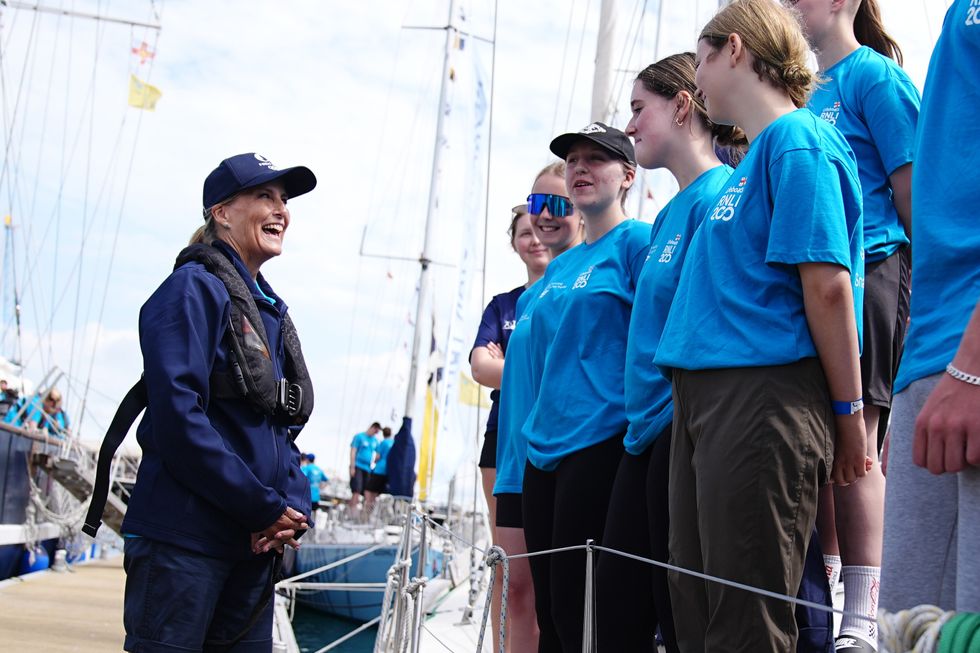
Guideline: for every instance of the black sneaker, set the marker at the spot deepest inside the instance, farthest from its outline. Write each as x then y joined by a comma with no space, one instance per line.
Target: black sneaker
849,644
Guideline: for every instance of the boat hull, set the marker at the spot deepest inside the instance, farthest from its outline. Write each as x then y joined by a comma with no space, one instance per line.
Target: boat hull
372,568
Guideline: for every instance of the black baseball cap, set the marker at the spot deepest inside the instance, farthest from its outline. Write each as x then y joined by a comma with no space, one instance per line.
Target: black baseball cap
609,138
236,173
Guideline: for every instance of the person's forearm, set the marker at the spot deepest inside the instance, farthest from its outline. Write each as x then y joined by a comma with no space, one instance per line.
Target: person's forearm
901,183
829,305
486,370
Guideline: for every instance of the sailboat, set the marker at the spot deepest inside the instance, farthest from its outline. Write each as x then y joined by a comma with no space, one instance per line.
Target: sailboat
60,201
356,557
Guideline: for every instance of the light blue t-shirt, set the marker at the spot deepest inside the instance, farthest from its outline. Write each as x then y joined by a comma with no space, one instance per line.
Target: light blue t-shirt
381,467
578,342
946,254
875,105
648,404
315,476
365,445
518,389
795,198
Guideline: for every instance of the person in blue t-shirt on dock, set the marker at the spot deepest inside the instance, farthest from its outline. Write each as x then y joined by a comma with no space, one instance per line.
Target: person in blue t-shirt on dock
559,228
671,130
315,476
377,482
578,348
874,104
362,448
762,341
932,500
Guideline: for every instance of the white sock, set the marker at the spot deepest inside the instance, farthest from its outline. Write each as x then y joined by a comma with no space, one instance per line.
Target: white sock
831,565
861,586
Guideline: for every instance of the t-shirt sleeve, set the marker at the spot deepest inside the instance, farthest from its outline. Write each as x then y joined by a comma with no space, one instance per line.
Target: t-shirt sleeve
491,330
638,246
891,112
809,223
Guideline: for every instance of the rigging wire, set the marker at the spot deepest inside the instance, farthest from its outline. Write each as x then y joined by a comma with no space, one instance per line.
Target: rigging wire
343,410
564,58
115,241
626,57
578,63
86,216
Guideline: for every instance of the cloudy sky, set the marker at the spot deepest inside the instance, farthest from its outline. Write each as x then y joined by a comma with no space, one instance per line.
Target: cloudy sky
346,88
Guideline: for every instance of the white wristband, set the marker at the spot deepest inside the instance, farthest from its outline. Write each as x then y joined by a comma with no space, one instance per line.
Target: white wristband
960,375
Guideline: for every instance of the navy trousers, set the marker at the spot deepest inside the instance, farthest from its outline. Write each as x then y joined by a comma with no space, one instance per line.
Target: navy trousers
180,600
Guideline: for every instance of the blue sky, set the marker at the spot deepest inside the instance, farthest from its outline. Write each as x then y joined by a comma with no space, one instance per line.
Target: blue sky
339,87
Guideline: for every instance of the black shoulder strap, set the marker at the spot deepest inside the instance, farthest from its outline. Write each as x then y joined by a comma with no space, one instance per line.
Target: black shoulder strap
132,405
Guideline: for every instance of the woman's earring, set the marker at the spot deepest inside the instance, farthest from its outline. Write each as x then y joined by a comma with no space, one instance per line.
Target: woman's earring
226,225
679,123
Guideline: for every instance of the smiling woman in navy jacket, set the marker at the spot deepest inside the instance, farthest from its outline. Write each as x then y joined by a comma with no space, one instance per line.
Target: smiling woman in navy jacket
219,491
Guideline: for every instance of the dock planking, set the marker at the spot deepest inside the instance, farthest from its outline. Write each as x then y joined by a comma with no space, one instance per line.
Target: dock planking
77,611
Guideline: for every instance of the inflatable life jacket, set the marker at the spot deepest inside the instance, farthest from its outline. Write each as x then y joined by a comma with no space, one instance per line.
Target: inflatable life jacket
252,376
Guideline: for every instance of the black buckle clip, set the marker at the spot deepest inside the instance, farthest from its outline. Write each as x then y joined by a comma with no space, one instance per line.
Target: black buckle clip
289,397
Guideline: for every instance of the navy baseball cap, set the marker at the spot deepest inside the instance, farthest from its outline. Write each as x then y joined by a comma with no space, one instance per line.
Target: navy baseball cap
608,138
236,173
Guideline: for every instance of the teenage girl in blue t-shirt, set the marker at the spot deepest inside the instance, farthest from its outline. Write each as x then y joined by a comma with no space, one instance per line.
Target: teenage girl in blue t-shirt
671,130
559,228
578,348
761,338
487,366
868,96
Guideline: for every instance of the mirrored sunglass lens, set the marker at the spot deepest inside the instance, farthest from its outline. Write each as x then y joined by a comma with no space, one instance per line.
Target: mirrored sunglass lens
558,206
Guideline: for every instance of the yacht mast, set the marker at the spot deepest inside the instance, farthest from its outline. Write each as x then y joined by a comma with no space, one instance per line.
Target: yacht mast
602,95
425,280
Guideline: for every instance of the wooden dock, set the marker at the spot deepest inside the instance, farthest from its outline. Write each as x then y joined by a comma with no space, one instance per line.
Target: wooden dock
74,611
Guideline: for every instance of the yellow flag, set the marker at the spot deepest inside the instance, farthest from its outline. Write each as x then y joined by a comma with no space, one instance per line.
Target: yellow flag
471,393
427,451
143,95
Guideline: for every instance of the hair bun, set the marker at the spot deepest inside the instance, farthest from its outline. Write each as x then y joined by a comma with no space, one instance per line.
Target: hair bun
796,75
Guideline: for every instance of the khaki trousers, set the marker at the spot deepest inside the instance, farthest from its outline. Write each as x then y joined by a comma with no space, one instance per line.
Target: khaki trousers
750,448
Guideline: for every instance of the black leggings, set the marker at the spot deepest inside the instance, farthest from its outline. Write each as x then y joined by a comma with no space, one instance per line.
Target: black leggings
631,596
566,507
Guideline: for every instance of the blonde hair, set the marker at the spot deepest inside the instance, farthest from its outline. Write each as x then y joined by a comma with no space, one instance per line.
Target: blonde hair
774,36
556,168
207,233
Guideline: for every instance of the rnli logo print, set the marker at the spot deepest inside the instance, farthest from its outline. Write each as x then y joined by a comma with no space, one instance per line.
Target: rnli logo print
831,113
649,253
973,13
668,253
509,325
583,279
725,209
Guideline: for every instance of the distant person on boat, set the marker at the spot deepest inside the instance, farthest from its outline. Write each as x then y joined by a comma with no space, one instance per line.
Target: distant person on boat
315,476
932,499
7,397
875,105
377,482
762,341
362,448
219,492
487,366
578,342
671,130
44,414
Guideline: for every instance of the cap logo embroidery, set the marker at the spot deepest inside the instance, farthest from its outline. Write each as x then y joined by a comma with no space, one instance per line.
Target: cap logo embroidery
594,128
265,163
